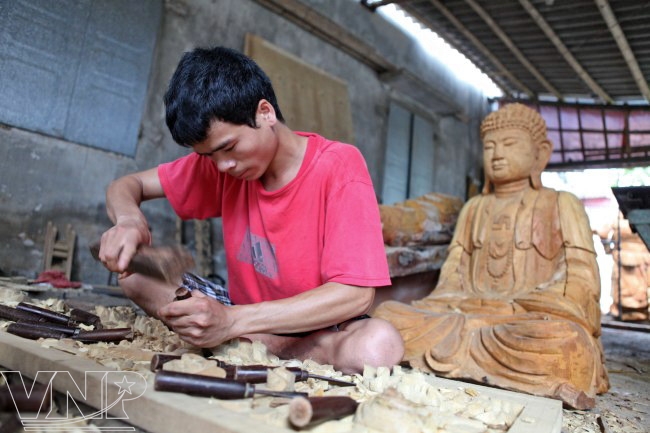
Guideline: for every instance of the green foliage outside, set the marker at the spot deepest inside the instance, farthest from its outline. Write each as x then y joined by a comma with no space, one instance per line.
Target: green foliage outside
637,176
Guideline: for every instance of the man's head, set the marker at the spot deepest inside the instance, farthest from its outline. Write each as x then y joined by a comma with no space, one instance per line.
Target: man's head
215,84
515,145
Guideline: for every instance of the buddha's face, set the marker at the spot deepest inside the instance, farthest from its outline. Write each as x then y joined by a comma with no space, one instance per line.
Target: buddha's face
509,155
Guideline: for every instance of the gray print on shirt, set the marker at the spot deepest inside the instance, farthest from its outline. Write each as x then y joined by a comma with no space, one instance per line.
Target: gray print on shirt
259,252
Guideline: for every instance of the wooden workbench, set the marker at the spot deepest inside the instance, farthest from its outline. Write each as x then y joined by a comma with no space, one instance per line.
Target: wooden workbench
168,412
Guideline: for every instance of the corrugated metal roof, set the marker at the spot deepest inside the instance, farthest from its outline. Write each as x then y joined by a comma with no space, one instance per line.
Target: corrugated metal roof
548,49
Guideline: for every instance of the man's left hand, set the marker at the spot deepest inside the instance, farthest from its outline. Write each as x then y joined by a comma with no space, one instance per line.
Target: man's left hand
198,320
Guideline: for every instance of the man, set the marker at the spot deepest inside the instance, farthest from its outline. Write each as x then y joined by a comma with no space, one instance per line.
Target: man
517,301
301,224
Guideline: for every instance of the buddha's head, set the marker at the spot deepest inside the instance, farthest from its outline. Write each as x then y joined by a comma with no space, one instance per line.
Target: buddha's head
515,146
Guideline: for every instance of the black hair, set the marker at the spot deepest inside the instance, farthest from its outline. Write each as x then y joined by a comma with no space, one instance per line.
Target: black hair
214,84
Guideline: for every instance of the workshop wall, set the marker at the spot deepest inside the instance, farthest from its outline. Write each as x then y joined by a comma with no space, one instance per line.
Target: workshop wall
50,179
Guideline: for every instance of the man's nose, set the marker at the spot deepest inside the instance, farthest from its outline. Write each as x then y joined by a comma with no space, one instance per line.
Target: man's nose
223,165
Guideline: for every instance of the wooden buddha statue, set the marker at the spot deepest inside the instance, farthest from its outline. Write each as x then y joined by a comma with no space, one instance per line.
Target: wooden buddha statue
517,302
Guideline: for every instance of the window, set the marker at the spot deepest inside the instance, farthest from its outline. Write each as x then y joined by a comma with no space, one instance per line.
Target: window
77,69
409,165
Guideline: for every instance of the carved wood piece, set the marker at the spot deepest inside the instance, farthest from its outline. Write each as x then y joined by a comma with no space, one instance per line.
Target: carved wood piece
425,220
634,272
415,259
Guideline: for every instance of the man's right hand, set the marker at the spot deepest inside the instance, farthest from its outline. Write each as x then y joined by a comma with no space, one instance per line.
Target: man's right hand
120,243
123,197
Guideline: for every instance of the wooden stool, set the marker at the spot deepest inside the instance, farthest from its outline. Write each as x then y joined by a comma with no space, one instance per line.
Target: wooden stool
59,253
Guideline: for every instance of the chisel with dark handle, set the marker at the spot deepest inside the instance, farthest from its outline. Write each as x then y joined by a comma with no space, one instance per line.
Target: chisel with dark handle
259,374
249,373
34,331
208,386
28,313
16,315
17,397
309,411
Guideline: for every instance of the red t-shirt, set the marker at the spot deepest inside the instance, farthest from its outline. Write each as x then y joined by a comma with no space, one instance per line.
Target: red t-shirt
322,226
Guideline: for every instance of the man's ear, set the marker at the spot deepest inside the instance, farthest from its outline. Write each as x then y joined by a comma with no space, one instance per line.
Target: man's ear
266,112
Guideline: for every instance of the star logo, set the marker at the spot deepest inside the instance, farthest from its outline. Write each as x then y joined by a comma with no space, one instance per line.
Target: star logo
125,385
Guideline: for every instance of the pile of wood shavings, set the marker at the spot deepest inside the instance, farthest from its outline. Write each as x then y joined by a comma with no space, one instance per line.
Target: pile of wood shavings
406,401
399,401
150,336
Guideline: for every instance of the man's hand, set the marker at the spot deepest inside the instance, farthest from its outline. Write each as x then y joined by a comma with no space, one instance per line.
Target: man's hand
123,198
120,243
199,320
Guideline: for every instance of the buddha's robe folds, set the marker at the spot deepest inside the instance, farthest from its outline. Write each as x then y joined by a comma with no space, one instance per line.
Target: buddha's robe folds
516,307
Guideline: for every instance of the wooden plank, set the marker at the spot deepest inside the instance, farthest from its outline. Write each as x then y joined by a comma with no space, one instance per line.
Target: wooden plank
539,414
330,31
50,238
170,412
310,99
152,411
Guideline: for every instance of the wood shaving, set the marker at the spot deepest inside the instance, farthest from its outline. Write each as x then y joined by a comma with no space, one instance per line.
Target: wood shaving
195,364
240,352
280,379
10,297
407,399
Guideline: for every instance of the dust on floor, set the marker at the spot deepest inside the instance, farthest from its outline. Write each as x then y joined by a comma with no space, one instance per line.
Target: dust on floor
625,408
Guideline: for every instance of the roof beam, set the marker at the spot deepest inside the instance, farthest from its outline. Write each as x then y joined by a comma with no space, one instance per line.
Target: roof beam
564,51
513,48
329,31
621,41
479,45
453,40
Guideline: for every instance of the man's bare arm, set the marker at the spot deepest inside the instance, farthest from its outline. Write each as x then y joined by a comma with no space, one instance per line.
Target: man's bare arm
204,322
123,199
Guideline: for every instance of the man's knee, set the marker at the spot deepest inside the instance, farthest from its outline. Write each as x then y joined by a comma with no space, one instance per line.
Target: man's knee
148,294
374,342
128,286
